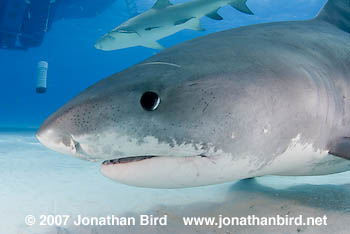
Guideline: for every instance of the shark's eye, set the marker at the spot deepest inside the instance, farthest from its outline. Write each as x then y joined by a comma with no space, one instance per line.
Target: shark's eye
150,101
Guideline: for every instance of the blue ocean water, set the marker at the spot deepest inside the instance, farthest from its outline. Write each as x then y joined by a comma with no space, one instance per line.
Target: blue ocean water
74,63
35,180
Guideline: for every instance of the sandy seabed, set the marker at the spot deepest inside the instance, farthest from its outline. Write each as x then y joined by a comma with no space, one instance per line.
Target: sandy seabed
37,181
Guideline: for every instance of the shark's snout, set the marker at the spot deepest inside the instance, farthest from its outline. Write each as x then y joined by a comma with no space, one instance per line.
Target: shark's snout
99,44
56,137
115,40
106,43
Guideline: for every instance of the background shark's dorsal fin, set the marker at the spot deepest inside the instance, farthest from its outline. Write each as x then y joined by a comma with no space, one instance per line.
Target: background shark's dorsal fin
336,12
160,4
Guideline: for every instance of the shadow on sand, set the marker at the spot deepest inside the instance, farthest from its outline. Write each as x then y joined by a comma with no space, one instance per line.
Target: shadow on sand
247,197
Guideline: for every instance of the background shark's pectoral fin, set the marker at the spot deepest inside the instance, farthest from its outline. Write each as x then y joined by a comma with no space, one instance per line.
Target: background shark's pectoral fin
214,15
153,45
194,24
182,21
160,4
341,148
241,6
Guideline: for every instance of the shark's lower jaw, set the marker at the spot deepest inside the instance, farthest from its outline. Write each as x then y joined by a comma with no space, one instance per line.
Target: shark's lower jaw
170,172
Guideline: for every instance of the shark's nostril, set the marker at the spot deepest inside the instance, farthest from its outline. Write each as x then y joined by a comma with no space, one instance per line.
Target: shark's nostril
76,147
54,136
73,145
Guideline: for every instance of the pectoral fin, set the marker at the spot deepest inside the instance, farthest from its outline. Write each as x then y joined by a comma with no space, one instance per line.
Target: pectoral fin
214,15
194,24
153,45
182,21
340,148
241,5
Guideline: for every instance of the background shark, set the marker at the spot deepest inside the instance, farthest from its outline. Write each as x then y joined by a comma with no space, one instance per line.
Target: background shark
162,20
263,99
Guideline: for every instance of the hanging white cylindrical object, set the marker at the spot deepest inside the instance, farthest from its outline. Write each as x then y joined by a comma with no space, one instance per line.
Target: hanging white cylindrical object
42,77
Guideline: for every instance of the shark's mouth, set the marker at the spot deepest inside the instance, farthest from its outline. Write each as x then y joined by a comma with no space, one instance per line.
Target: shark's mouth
127,160
157,171
134,159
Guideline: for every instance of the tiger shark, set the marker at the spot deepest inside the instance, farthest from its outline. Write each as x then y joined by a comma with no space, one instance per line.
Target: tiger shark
162,20
266,99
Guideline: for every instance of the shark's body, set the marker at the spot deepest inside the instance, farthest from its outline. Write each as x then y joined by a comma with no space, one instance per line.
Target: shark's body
263,99
162,20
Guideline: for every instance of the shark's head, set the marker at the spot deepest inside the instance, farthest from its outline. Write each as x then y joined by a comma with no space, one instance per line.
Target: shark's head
189,123
152,125
222,112
119,38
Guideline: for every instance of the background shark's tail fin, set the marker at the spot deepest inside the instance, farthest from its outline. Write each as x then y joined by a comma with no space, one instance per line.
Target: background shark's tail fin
241,5
336,12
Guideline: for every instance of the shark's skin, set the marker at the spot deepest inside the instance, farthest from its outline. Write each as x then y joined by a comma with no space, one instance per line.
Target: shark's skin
263,99
162,20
